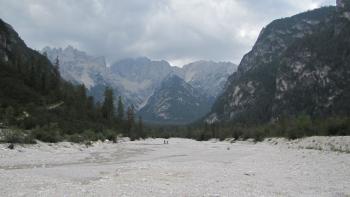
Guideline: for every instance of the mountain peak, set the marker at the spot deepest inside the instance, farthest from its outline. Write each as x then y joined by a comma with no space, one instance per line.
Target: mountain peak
175,102
71,49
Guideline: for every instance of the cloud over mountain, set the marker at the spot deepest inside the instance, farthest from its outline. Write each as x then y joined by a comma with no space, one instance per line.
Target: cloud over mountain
176,30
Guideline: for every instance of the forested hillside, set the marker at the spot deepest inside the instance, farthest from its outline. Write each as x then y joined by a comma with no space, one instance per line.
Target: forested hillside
34,97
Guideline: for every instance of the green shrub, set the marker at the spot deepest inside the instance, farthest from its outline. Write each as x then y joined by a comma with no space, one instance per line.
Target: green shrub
259,135
338,126
17,136
49,133
110,135
76,138
90,135
100,136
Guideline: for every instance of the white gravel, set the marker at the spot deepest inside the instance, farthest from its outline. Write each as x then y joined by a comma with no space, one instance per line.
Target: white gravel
275,167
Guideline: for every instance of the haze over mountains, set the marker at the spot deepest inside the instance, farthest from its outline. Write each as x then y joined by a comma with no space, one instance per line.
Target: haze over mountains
139,79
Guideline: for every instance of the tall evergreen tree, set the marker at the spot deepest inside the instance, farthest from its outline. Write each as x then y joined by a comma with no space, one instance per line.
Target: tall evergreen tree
140,130
108,105
120,109
9,115
130,118
57,76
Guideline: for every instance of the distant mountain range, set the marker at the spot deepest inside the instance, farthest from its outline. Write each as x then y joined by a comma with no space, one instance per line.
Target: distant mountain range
138,80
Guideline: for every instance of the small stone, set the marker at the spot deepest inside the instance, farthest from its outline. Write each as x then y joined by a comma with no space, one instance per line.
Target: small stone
11,146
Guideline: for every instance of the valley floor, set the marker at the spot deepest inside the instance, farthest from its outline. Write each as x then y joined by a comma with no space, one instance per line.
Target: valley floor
183,167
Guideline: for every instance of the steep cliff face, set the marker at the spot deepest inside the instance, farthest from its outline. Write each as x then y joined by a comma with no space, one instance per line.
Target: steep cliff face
77,66
313,76
298,65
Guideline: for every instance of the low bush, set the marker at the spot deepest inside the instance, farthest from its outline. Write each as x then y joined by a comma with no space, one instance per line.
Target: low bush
49,133
76,138
17,136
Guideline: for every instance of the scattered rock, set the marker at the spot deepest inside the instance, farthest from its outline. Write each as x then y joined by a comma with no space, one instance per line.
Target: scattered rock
88,144
11,146
233,140
249,174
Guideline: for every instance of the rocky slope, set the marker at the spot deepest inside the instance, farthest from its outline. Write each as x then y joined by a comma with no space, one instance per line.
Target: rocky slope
137,78
175,102
299,65
77,66
209,76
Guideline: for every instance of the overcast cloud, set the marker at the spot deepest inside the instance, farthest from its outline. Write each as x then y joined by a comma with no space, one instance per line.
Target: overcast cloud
175,30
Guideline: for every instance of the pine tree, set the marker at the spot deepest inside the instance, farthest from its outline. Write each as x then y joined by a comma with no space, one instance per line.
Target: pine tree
90,108
120,109
9,115
108,105
81,94
33,77
130,118
141,132
44,82
56,71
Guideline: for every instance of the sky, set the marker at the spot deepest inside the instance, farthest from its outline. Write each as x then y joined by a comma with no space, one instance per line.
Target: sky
179,31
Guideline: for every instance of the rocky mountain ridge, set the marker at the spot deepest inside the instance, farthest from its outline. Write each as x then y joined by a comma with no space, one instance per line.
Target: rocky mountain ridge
175,102
137,79
299,65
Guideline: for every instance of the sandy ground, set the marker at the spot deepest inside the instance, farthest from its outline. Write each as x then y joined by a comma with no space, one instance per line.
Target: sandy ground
183,167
